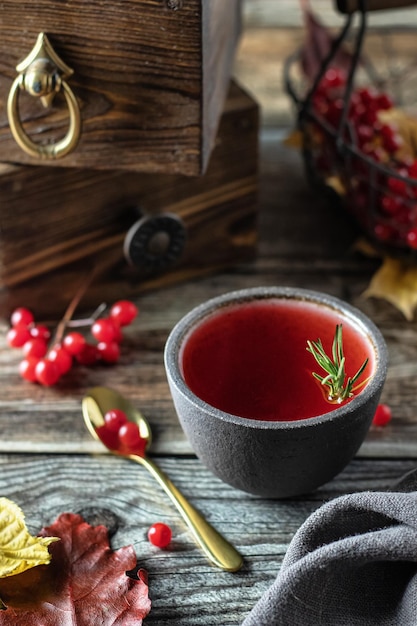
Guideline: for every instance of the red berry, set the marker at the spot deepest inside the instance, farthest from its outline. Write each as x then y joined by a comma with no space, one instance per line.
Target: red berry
23,316
36,347
391,205
383,232
130,439
412,173
370,117
18,335
335,77
397,185
383,415
334,112
88,355
387,131
108,352
104,329
61,357
375,153
118,335
47,372
404,216
123,312
330,84
27,369
368,95
160,535
412,238
74,343
384,102
364,134
115,419
392,144
40,331
357,111
412,169
108,437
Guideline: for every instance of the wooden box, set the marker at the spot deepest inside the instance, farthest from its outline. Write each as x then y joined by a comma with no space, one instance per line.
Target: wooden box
150,78
57,224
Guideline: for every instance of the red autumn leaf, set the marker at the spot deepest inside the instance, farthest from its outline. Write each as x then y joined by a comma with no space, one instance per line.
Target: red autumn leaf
84,585
318,42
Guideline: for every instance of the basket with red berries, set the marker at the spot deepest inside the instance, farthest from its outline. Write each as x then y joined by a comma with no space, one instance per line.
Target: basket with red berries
357,139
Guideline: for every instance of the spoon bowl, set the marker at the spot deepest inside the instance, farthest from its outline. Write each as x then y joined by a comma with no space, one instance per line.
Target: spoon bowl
100,400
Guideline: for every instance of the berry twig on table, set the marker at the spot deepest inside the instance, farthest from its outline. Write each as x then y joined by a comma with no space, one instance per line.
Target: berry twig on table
46,360
72,307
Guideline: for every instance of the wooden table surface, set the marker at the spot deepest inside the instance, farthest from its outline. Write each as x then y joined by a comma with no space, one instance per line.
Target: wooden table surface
50,464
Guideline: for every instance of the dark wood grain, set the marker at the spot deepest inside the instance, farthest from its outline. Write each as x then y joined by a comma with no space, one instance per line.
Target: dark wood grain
144,70
56,224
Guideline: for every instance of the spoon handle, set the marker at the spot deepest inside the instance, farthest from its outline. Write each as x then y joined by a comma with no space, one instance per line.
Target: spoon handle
214,545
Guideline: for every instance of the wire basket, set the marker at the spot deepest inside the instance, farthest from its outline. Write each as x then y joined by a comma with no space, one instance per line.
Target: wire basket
350,121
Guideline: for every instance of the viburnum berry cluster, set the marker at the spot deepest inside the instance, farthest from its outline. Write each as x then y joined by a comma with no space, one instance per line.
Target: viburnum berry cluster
120,434
47,358
377,172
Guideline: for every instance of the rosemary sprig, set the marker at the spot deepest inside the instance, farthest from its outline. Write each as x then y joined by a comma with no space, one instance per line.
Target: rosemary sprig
334,367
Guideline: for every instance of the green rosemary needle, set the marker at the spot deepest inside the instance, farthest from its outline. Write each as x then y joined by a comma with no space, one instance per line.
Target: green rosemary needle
339,389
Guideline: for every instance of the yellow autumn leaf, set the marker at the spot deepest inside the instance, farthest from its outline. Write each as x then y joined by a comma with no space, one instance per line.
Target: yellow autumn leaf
294,139
19,550
396,282
336,184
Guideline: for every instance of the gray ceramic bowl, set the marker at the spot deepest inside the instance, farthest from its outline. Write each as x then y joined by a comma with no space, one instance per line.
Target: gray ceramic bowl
275,459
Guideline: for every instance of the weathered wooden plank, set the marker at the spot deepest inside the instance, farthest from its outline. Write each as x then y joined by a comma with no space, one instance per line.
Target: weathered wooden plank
184,587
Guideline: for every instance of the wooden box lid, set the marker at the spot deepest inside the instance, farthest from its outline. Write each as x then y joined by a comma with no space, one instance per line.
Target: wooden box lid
150,78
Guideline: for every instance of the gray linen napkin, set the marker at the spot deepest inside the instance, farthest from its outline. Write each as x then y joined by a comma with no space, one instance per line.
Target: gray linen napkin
353,562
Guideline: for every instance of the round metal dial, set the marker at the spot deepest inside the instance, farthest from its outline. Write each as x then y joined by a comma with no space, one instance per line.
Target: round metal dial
156,242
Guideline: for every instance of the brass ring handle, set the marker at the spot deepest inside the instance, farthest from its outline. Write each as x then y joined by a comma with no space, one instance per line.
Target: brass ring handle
48,151
42,74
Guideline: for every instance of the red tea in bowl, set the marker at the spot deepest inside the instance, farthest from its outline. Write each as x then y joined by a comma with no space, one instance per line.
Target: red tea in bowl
246,354
251,360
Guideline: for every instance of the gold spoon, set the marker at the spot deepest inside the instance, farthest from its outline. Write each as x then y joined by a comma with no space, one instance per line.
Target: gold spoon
95,405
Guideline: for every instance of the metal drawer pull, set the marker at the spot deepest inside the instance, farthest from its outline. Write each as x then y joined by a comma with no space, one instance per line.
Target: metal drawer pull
43,74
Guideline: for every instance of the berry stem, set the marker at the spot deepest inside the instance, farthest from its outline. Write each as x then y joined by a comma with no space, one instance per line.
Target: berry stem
62,325
87,321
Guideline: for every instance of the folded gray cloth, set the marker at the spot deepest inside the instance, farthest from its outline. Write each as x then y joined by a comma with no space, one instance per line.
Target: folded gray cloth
353,562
